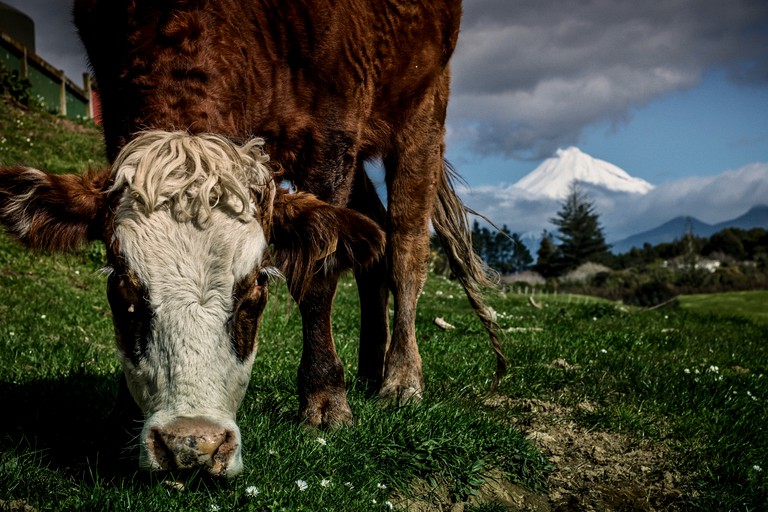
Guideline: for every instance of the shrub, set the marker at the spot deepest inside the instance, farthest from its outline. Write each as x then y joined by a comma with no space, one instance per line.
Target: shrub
651,293
20,89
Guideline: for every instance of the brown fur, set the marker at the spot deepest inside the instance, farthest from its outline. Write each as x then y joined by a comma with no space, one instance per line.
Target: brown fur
251,297
52,212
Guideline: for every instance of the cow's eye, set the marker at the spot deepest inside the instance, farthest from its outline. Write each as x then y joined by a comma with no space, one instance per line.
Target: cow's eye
267,274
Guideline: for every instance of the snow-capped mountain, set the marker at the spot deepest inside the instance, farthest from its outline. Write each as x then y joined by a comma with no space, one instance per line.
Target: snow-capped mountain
554,176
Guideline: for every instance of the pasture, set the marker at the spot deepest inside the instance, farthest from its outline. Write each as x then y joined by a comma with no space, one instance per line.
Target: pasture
656,410
603,407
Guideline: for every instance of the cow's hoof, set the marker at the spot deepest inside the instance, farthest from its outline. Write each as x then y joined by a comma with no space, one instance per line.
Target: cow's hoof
326,411
401,394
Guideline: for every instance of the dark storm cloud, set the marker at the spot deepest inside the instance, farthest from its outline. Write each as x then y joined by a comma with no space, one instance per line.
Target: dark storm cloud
530,75
56,38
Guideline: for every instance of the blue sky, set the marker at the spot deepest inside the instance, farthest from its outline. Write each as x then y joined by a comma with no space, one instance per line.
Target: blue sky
674,92
713,126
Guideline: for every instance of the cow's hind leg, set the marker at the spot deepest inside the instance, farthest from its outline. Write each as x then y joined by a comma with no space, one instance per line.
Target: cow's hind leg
373,292
413,170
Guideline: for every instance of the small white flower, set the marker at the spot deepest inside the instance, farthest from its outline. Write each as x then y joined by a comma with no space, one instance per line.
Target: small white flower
602,350
713,369
42,316
214,508
389,504
11,333
251,491
594,319
381,486
325,482
322,441
687,371
373,501
757,468
302,485
272,452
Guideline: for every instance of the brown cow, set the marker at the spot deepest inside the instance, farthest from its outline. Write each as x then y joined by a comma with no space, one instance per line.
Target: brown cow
195,95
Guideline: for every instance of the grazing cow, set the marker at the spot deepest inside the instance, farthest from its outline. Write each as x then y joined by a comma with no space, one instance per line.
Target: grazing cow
197,96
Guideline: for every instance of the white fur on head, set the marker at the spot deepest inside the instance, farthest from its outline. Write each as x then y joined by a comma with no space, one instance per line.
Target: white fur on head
194,173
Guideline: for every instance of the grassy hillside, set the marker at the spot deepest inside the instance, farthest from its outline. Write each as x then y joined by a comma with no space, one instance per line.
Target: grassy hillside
604,408
35,138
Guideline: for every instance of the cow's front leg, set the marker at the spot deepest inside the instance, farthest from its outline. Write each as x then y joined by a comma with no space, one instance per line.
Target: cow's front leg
322,393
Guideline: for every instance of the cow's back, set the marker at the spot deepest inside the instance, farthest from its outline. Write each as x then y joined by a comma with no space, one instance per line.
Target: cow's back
298,73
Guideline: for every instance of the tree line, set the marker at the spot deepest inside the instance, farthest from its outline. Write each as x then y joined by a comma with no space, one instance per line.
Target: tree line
578,238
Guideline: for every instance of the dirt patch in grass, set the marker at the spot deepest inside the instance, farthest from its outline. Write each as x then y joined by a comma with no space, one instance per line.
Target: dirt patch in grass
595,470
591,470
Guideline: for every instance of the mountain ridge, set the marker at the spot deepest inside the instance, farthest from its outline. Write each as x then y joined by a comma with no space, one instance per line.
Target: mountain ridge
676,228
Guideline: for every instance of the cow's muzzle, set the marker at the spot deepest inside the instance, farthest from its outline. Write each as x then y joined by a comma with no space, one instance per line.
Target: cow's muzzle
190,443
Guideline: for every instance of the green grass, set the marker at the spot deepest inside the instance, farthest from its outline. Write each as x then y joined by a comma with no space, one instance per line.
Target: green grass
752,304
693,383
690,383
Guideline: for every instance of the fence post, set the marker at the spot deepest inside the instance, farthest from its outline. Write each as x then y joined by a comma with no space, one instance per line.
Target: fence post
23,65
63,95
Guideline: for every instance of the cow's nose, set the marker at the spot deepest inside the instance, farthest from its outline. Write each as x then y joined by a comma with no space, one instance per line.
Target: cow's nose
192,443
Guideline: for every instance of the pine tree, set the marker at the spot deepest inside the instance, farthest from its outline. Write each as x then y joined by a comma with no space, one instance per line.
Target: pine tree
548,256
503,251
521,256
579,231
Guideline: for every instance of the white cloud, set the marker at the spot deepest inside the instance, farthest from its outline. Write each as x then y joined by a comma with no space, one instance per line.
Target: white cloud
711,199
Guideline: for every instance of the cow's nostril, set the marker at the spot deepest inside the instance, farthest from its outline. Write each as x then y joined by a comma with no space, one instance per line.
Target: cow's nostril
190,443
161,453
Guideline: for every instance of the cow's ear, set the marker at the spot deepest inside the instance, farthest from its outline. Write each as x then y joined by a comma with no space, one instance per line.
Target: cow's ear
51,211
309,234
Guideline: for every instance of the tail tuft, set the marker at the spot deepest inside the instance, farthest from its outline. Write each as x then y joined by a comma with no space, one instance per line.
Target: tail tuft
450,222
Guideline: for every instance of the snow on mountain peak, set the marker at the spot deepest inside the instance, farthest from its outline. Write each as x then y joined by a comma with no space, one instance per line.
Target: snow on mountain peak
554,176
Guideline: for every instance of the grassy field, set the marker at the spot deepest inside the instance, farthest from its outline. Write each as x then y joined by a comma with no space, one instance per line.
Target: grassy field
604,408
752,305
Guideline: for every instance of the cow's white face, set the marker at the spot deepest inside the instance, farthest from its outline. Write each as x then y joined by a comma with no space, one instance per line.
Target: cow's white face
187,287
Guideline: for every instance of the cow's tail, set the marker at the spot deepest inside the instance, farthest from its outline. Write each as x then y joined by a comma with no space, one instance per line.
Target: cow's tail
452,227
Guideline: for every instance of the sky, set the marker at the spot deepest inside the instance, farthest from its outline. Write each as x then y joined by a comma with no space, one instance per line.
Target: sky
672,91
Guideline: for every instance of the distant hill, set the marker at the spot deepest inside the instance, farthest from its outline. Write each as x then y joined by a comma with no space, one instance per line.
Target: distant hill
756,217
